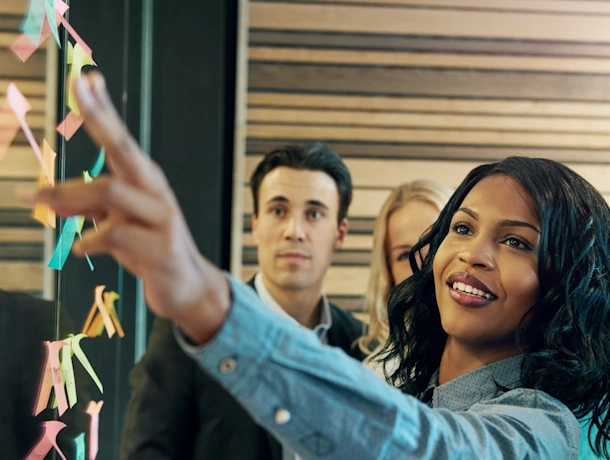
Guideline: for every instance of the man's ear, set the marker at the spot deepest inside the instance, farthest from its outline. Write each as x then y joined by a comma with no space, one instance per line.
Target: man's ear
341,233
255,228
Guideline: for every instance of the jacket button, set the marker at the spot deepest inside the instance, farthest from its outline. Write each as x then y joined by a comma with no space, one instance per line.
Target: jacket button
227,365
281,416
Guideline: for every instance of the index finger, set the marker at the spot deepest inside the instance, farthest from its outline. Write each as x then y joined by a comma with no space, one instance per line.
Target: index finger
106,128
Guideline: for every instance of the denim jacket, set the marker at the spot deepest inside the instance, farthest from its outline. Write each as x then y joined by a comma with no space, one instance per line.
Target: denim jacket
323,404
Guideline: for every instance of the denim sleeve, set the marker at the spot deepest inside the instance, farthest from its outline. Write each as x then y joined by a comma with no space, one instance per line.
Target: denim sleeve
323,404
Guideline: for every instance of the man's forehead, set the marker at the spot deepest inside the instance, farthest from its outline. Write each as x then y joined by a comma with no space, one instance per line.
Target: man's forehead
301,183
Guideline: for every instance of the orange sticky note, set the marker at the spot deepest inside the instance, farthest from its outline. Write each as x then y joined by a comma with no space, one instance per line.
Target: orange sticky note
47,440
41,212
109,299
20,107
110,329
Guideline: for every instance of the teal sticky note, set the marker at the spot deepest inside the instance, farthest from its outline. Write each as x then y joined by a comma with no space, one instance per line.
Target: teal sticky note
64,243
34,20
99,164
49,6
80,447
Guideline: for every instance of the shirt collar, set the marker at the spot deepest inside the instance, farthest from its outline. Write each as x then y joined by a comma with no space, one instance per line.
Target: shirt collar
482,383
325,321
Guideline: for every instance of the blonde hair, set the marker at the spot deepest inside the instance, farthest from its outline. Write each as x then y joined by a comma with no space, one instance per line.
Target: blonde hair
380,279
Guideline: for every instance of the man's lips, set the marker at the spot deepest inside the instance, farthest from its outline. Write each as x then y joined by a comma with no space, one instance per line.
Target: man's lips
292,255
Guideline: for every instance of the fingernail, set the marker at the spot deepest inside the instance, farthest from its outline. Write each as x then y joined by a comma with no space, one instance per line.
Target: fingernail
82,88
98,82
26,194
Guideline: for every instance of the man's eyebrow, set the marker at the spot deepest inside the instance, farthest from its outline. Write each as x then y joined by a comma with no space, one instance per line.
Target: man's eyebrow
276,199
504,223
316,203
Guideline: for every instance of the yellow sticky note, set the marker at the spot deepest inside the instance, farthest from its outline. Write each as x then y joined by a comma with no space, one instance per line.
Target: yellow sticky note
79,59
42,213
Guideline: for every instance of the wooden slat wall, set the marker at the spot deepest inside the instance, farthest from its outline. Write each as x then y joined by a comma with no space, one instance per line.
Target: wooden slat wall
408,89
21,238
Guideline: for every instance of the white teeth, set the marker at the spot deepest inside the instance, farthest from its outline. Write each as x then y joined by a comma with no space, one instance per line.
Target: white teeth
459,286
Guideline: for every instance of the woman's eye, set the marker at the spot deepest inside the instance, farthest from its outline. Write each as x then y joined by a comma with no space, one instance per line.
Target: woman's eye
516,243
461,229
403,256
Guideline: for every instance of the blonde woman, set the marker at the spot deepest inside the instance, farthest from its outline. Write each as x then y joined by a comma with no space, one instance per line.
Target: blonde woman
410,209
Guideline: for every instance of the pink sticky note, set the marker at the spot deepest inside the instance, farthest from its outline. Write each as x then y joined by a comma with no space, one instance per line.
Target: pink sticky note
23,47
8,128
47,440
58,380
45,385
61,8
94,411
70,125
20,107
110,329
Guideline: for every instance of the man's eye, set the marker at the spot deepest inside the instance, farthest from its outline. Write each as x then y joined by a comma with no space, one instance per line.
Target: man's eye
315,214
277,211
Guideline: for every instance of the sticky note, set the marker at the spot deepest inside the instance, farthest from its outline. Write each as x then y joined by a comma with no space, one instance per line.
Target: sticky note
64,243
68,372
9,125
68,127
47,441
41,212
24,47
97,167
80,354
49,7
45,385
34,20
79,448
20,107
61,8
109,299
108,324
58,380
94,411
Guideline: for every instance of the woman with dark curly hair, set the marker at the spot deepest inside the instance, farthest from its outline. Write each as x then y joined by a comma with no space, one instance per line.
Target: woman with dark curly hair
502,334
534,290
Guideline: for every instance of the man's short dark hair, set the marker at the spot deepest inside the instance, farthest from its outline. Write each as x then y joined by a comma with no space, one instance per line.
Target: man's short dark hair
313,157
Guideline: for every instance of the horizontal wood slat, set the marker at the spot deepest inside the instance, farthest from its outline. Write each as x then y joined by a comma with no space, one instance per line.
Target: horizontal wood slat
21,276
429,136
526,108
21,235
550,6
329,79
433,21
427,120
19,162
454,60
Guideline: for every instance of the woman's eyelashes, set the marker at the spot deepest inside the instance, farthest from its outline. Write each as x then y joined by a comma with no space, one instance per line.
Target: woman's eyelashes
403,256
512,241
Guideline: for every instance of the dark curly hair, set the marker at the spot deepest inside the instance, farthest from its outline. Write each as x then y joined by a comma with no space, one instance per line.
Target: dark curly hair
567,341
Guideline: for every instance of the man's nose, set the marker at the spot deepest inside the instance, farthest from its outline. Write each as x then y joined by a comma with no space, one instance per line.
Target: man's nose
295,229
